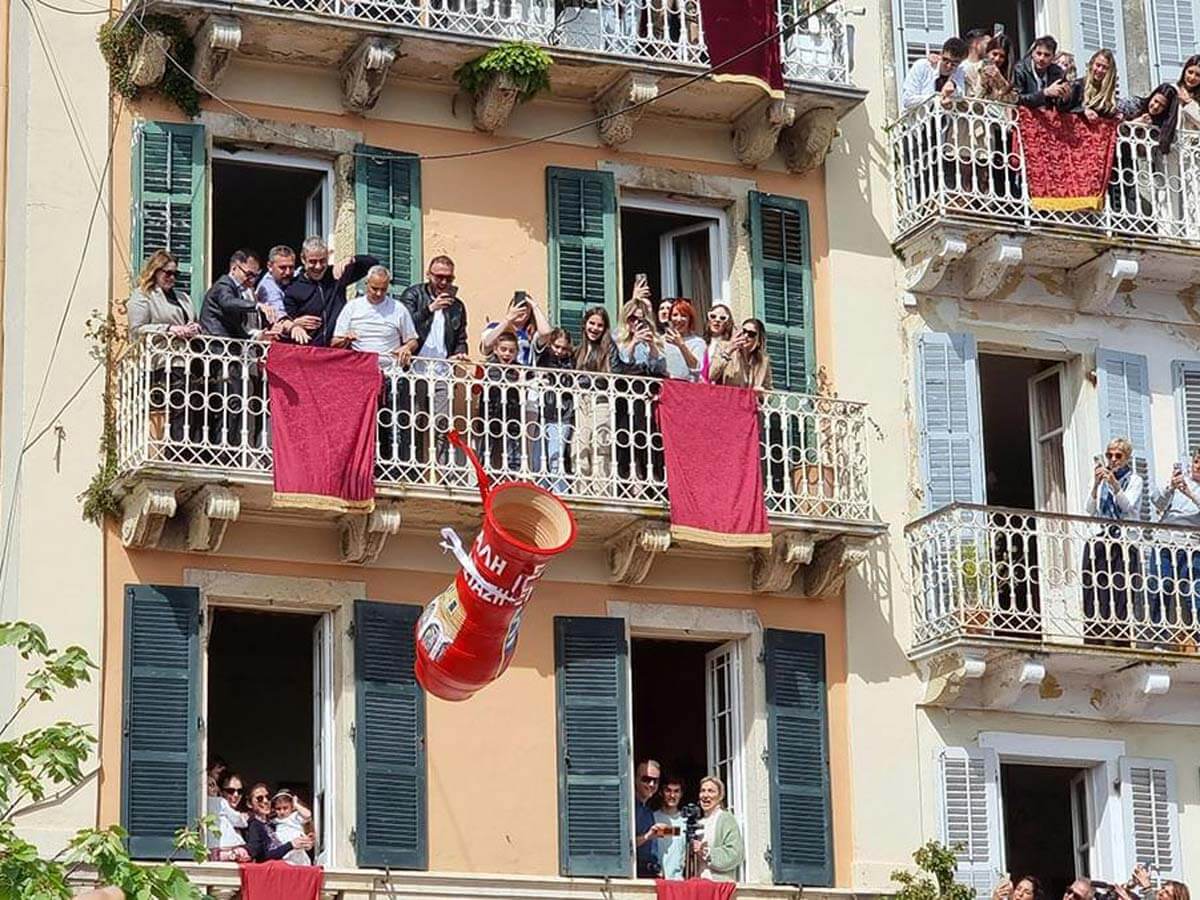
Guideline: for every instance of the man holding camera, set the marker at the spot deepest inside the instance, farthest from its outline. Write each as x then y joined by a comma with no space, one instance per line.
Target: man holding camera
672,846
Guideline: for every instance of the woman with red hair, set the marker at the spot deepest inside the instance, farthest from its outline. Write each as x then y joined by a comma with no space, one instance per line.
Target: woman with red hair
684,351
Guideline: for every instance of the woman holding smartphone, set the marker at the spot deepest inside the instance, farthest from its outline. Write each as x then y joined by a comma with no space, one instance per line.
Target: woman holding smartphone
743,362
1111,573
638,350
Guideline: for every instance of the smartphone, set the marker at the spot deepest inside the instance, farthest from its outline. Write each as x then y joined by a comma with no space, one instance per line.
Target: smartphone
674,830
640,278
520,297
452,290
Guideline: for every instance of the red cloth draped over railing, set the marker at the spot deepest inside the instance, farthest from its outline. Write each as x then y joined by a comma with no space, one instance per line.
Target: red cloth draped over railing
278,880
323,405
1068,160
714,472
694,889
730,26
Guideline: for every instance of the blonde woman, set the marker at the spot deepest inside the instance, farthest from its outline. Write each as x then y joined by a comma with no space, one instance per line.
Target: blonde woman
718,851
1111,564
638,350
592,443
1094,95
743,361
156,307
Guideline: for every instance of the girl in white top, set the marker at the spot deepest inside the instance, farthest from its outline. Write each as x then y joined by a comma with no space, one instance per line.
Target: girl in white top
290,820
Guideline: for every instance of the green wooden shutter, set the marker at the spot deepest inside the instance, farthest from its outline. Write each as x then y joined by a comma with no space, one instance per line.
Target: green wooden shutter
798,759
389,739
782,268
169,198
160,771
582,223
387,209
594,777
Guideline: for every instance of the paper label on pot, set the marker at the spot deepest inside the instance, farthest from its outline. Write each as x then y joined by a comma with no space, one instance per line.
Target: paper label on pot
439,623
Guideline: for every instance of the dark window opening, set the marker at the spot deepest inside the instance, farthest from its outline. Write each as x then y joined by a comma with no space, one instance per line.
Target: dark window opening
1007,444
1040,837
1017,20
649,239
256,207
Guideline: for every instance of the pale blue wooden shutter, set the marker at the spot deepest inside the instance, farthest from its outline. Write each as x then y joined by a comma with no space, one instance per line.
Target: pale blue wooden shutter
387,211
950,419
581,221
594,766
1123,384
798,758
781,260
160,760
389,738
1099,25
924,27
1187,400
169,197
1176,36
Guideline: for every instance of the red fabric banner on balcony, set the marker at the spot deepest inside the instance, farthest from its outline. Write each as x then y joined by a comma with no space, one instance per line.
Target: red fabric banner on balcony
1068,160
278,880
694,889
323,406
731,26
714,473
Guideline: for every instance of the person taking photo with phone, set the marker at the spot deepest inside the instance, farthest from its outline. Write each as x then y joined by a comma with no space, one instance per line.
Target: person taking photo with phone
524,319
1039,80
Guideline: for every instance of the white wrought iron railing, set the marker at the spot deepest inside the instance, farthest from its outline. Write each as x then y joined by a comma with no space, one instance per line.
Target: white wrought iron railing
966,163
992,573
200,406
661,30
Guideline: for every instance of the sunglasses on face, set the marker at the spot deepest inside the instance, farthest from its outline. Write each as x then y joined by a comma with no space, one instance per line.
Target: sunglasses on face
232,790
170,272
649,779
1117,455
750,332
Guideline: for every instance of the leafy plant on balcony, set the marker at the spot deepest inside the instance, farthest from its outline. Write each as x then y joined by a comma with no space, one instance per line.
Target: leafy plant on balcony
119,45
934,879
526,66
100,499
44,763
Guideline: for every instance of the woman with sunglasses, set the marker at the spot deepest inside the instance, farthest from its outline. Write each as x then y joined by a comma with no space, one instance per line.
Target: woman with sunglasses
261,841
638,350
1140,883
743,362
231,821
1111,570
718,330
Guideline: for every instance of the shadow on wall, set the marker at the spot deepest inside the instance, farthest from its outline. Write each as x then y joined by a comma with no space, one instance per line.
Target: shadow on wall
873,599
853,226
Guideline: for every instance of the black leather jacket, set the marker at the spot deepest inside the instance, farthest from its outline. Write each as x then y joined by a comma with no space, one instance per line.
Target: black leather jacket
417,298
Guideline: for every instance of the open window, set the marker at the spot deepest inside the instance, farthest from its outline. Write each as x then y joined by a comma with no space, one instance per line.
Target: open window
678,246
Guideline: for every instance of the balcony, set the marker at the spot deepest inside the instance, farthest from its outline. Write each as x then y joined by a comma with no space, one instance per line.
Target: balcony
608,53
1059,614
193,435
965,226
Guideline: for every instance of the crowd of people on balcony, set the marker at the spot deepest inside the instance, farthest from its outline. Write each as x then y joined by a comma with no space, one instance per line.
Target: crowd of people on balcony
1162,589
256,825
1141,885
677,840
540,391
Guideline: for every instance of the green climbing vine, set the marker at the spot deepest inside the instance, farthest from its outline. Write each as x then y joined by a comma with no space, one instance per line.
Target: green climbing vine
100,498
528,67
119,45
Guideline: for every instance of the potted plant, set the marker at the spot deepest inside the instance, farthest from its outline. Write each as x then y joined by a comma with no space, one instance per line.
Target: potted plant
974,571
505,75
823,463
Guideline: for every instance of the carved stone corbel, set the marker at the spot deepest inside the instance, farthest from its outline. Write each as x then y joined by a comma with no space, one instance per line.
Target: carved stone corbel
1127,693
986,265
216,42
772,570
932,259
756,131
634,87
806,143
365,71
208,514
825,576
950,674
632,551
495,103
145,511
1008,676
364,534
1095,283
150,59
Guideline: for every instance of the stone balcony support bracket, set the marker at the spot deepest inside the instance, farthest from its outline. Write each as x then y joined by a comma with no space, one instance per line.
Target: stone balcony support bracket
952,673
1127,693
150,60
145,510
1094,284
1009,675
632,88
930,260
208,514
832,561
362,535
631,552
216,42
495,103
772,571
805,144
986,266
756,131
365,71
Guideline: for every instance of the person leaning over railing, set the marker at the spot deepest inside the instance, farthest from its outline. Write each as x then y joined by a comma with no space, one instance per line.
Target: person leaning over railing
1188,89
156,307
1174,585
1039,80
1110,561
942,78
1094,96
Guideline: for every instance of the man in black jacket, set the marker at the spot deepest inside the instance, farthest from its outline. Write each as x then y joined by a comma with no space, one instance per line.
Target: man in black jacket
441,320
1038,79
316,296
229,304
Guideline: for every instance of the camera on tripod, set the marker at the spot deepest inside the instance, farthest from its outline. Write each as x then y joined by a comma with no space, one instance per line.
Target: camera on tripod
691,815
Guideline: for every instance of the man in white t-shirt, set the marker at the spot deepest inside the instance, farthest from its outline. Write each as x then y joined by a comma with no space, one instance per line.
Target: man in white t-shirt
379,323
